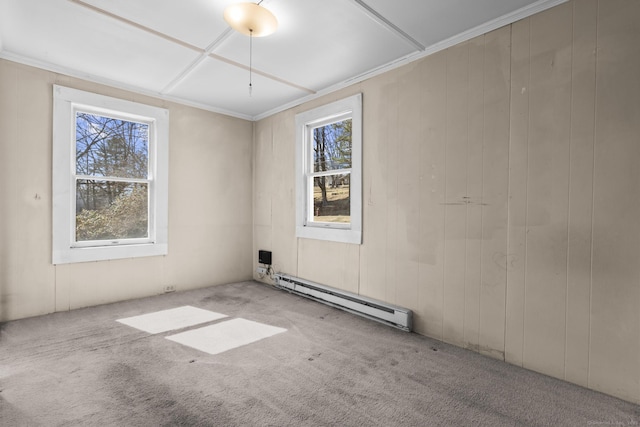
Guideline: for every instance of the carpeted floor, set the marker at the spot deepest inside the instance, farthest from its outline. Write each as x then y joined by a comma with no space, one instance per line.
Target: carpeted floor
329,368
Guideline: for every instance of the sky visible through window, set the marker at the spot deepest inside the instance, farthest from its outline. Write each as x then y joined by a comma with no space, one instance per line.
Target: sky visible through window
331,190
112,166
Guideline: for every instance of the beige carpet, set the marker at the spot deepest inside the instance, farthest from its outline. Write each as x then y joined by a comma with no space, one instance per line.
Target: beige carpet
327,368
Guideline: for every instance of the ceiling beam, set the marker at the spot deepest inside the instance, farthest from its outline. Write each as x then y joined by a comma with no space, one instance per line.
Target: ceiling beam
138,26
376,16
203,53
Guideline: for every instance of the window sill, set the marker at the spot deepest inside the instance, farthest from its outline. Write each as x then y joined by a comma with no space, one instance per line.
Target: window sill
330,234
104,253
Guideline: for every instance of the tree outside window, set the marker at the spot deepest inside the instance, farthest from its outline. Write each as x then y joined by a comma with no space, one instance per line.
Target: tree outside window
112,189
332,162
110,178
329,171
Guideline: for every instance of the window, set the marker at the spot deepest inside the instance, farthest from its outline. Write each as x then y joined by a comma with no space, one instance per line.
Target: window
328,170
110,178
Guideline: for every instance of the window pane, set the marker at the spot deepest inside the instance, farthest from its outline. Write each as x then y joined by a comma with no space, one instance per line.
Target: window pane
332,146
107,210
331,198
111,147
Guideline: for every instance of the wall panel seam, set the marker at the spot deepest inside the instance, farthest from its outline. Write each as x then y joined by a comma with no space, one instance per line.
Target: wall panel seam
466,217
444,208
593,200
506,275
526,208
484,74
566,299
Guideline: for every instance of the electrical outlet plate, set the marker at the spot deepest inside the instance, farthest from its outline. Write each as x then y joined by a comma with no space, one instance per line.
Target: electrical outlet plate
169,288
261,270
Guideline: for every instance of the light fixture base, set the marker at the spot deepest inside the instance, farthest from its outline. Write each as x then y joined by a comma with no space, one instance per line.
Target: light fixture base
250,19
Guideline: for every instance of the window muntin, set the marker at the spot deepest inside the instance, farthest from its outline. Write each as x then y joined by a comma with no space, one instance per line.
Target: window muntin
110,178
328,167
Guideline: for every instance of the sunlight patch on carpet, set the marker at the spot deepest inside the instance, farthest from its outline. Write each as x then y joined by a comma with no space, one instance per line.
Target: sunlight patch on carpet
226,335
172,319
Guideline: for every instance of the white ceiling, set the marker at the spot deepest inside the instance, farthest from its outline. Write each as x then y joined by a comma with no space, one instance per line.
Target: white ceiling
184,51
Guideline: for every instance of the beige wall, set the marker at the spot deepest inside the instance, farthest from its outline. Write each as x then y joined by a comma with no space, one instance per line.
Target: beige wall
209,204
501,195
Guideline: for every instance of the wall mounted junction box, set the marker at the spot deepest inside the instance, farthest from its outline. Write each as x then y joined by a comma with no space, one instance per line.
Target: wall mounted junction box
264,257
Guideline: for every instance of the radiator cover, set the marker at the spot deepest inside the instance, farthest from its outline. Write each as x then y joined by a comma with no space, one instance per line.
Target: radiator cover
379,311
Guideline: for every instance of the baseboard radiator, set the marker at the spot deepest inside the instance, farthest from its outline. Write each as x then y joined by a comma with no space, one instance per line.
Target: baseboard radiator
392,315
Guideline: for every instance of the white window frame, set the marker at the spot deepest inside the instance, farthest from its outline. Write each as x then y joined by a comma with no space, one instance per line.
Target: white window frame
350,107
68,101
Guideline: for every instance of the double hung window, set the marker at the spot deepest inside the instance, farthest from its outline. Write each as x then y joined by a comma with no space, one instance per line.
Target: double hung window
328,164
110,178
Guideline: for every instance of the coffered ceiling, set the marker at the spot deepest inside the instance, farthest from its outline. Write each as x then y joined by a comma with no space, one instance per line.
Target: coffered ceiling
185,52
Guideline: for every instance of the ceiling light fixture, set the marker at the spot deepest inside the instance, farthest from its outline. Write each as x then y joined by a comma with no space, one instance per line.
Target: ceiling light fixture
252,20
